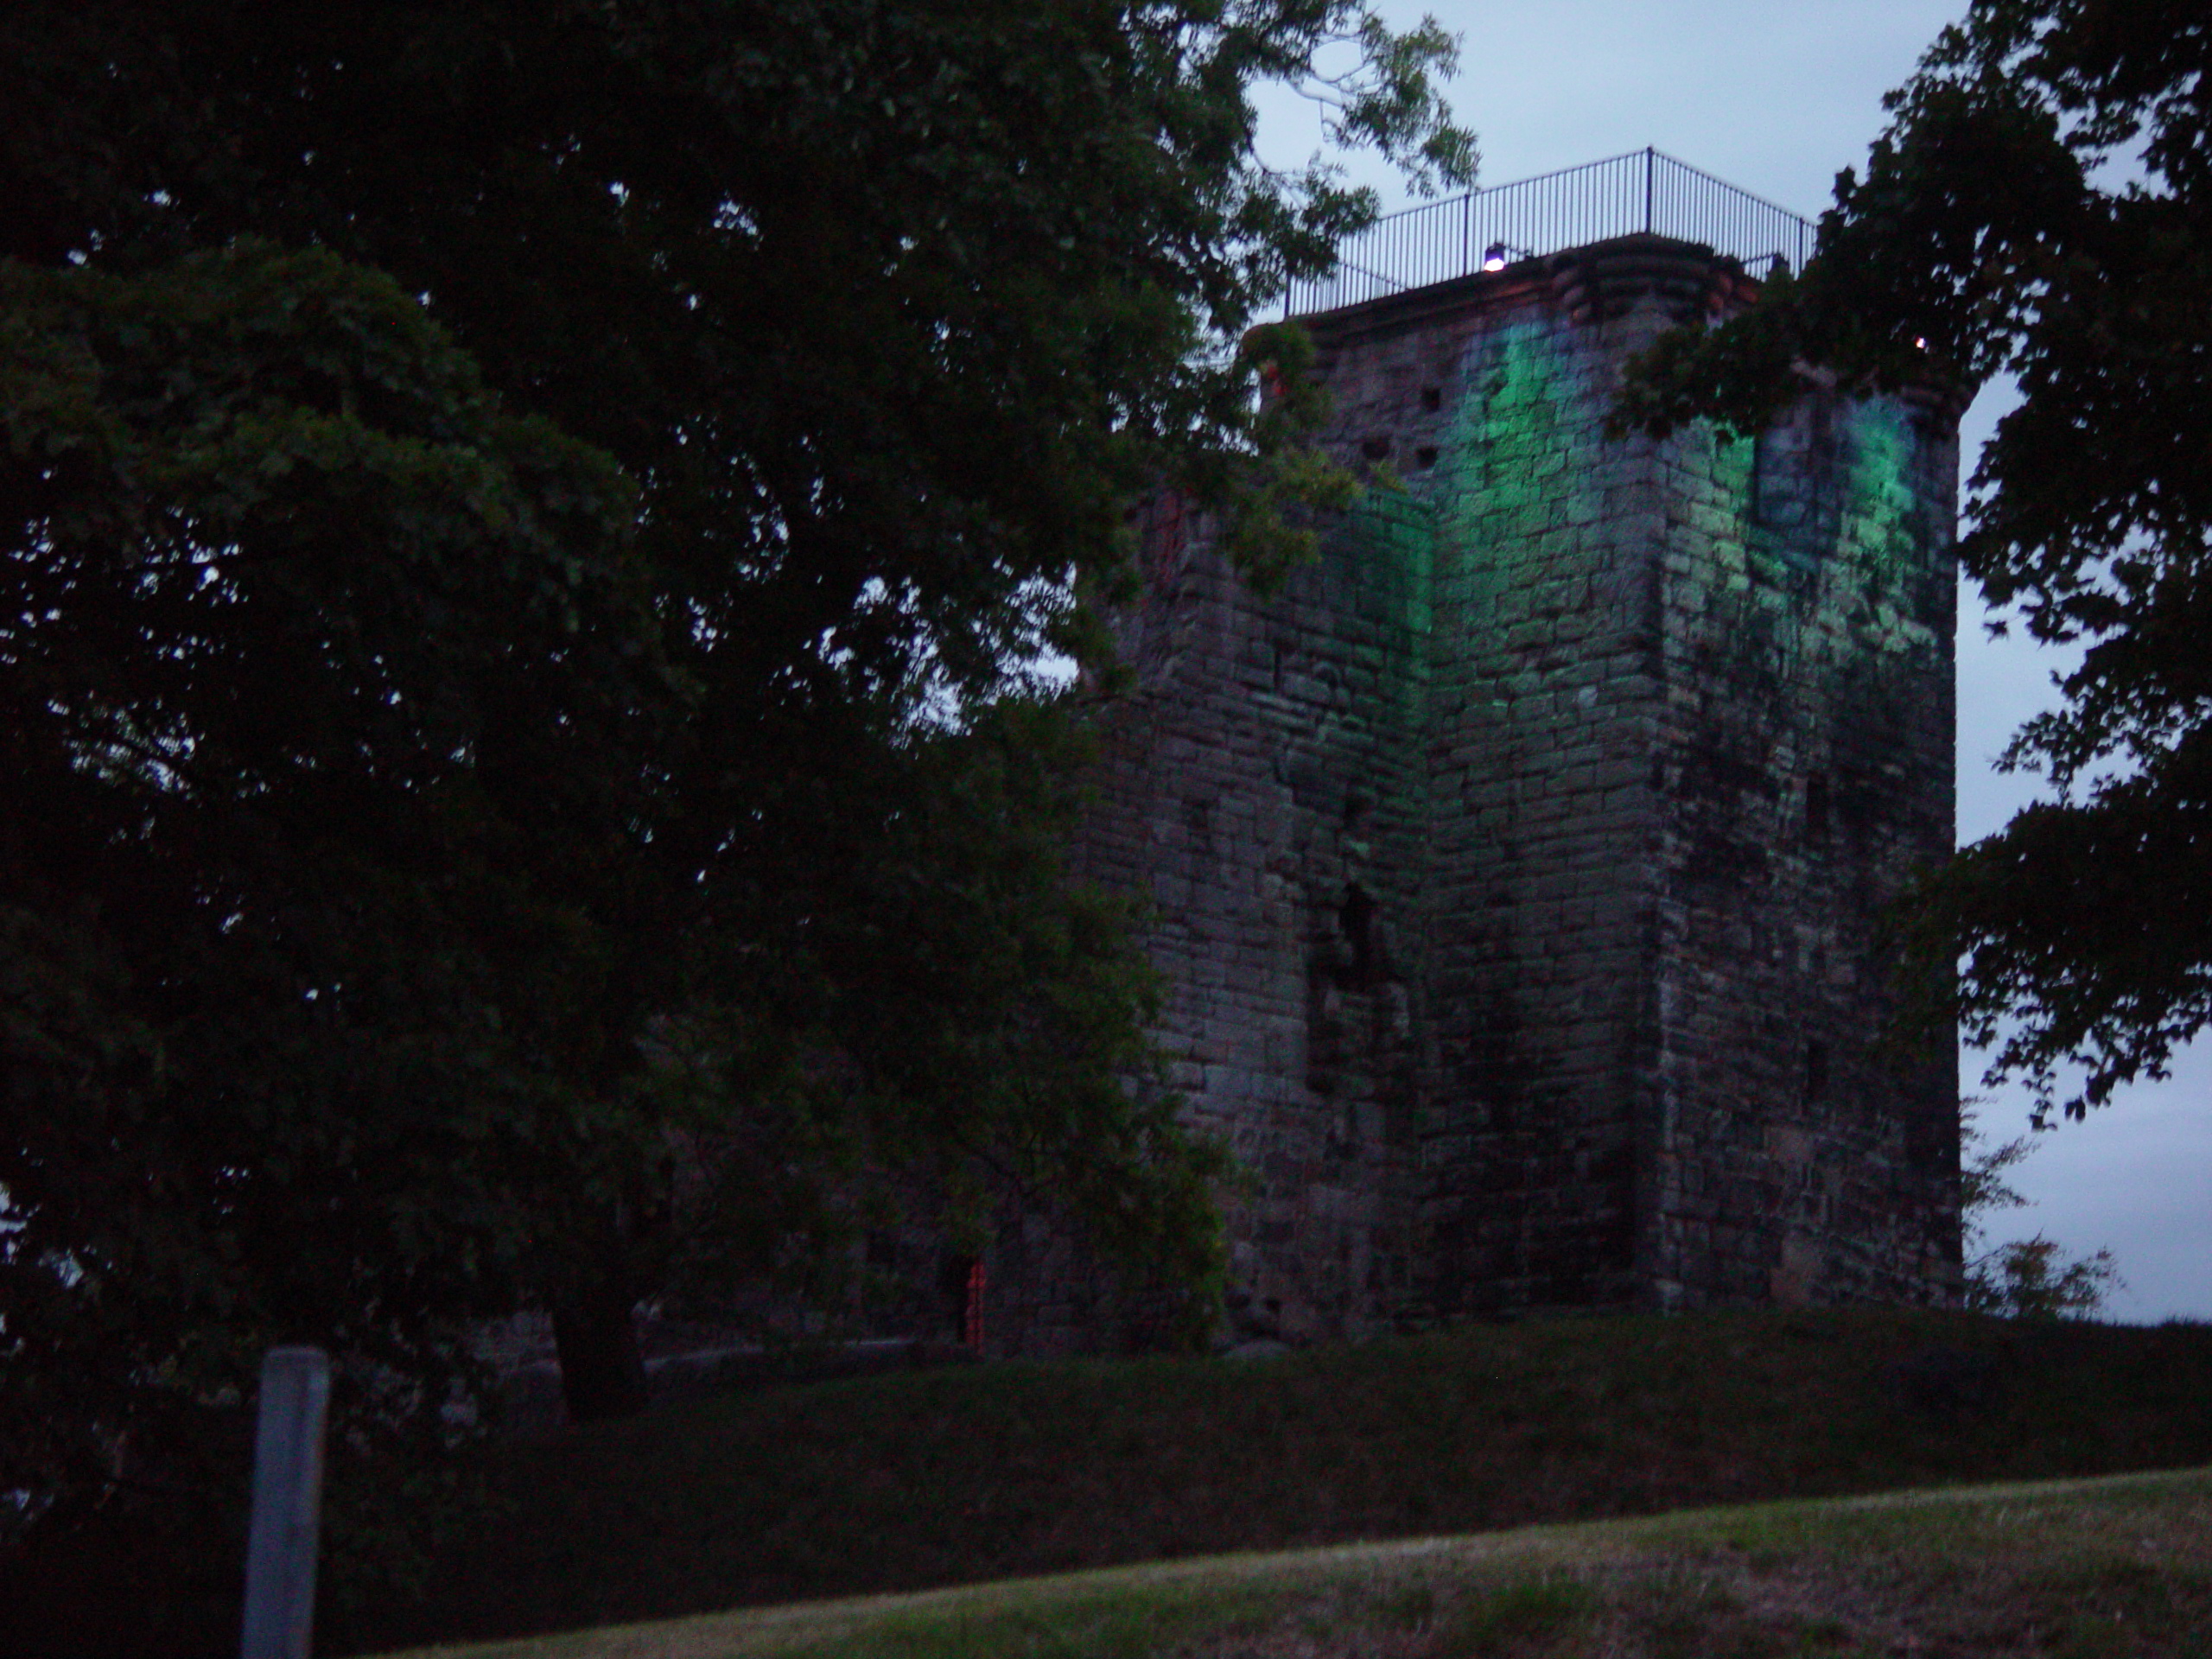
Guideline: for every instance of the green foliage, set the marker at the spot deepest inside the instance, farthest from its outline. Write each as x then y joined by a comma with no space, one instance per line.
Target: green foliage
1269,535
2021,1279
526,537
1740,376
2037,205
304,634
2031,1279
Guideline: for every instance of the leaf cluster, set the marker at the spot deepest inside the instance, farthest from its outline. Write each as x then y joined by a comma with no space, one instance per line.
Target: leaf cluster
312,663
527,535
2038,206
2020,1279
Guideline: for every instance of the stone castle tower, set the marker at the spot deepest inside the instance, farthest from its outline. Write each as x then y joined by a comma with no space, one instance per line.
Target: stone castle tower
1516,871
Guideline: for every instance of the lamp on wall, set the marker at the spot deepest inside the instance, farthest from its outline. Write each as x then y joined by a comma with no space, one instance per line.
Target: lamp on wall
1499,254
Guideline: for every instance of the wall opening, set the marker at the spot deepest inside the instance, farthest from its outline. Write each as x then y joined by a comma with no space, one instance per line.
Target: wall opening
1356,921
1817,807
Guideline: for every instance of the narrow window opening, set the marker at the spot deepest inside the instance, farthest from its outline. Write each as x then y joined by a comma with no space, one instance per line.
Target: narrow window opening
1432,398
1356,920
1817,807
1375,448
1425,457
1816,1071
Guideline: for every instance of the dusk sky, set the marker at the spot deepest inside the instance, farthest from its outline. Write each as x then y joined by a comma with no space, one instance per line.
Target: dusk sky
1777,96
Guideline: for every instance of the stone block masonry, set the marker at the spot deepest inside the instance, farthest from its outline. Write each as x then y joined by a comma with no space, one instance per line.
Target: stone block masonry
1516,872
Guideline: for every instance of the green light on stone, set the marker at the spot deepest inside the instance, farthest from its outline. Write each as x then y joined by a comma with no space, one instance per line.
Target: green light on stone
1399,531
1879,508
1521,461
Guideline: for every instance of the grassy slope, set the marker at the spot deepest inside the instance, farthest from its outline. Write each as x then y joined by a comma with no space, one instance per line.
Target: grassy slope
957,1476
2118,1565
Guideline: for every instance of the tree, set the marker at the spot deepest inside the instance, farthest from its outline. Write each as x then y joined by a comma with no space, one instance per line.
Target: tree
314,659
526,533
2040,204
2022,1278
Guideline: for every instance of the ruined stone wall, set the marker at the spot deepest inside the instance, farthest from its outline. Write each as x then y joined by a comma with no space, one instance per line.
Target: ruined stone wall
1541,850
1262,788
1515,872
1805,748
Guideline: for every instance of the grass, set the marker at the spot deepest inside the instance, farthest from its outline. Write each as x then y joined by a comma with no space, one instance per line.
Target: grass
2077,1569
971,1476
938,1478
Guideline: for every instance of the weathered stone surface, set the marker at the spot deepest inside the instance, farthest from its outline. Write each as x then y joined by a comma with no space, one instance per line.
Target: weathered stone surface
1516,871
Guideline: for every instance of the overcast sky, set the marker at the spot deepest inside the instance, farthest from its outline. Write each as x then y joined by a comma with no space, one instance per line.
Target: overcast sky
1776,97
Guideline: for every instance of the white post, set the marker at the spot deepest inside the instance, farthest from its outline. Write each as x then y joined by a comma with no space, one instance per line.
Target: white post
287,1504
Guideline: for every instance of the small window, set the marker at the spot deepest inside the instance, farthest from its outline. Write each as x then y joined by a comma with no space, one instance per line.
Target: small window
1817,807
1432,398
1356,920
1816,1071
1375,448
1425,457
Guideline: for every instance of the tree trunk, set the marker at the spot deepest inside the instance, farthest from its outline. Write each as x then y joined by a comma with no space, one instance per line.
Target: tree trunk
602,1368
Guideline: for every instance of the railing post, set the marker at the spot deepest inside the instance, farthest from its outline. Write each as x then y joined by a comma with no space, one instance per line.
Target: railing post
287,1504
1650,158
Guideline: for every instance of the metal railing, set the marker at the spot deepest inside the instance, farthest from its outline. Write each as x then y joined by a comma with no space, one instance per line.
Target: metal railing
1643,190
